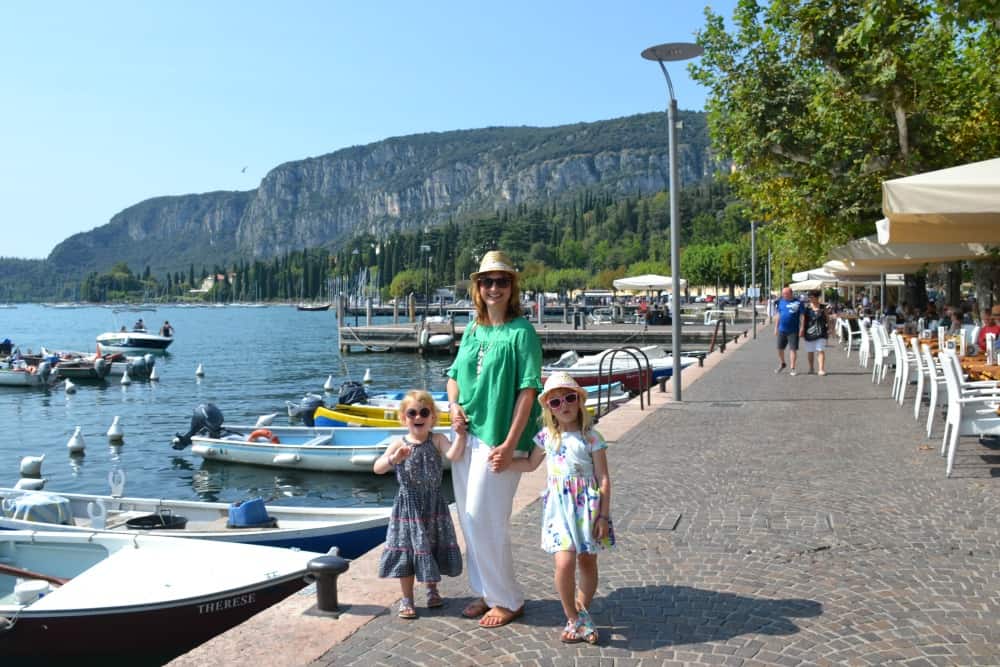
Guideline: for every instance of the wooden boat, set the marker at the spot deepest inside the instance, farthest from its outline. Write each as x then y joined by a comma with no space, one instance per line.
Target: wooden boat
610,366
137,341
301,447
84,365
353,530
21,373
312,306
87,596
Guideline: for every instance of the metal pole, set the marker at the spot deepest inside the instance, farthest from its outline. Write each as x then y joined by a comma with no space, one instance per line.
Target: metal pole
753,273
672,52
675,252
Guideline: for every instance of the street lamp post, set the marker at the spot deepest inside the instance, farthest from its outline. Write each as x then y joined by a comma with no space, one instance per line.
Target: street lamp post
661,53
754,292
424,248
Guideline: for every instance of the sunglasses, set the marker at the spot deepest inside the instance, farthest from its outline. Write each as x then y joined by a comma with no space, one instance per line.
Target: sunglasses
556,402
423,412
501,283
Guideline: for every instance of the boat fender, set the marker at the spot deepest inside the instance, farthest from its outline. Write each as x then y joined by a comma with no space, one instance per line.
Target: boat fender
98,513
116,480
424,336
265,434
286,459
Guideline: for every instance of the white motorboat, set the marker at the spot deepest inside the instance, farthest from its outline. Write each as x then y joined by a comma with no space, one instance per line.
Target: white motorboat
636,370
353,530
87,596
136,342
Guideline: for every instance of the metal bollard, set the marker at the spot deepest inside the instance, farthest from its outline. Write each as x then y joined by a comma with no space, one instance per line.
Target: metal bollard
325,570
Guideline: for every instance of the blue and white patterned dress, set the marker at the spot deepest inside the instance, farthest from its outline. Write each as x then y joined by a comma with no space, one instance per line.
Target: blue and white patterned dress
420,540
572,499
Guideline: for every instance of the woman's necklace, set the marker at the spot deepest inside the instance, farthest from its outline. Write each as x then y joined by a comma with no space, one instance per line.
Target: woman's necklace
485,343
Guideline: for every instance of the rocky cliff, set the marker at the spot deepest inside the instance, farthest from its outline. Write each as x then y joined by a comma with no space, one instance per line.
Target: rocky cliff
387,186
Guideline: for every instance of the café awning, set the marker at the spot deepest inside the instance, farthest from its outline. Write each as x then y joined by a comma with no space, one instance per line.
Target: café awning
955,205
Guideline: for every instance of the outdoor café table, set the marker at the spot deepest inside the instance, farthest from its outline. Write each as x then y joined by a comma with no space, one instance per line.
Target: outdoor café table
977,368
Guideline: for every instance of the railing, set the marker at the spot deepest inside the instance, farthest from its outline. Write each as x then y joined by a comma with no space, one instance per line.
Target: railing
645,371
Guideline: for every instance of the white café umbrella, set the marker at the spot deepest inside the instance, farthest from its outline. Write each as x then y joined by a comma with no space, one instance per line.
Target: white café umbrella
868,254
958,204
649,282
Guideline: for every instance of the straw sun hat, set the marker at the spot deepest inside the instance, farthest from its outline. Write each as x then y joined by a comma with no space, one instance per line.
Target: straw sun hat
495,260
561,380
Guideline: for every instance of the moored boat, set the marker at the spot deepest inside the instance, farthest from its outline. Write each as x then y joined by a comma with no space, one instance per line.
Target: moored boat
85,596
614,365
330,449
312,306
352,530
136,341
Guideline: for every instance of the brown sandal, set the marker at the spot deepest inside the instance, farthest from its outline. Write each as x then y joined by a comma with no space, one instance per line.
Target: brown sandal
476,608
497,617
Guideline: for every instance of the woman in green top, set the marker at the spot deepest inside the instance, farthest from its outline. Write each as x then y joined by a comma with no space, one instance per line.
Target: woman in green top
492,388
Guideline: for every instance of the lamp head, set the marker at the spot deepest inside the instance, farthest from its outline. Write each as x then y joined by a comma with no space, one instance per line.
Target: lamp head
673,51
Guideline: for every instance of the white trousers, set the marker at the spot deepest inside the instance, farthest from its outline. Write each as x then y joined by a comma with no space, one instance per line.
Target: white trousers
484,499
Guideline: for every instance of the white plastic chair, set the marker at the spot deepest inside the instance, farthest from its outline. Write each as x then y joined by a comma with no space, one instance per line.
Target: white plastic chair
974,414
865,346
880,352
904,359
920,364
935,379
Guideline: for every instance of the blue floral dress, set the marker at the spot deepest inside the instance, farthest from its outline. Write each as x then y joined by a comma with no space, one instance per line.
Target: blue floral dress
572,499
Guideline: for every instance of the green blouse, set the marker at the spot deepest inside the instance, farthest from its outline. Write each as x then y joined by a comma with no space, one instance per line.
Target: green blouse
493,364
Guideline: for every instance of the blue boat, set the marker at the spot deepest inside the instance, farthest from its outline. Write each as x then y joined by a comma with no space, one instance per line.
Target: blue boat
352,530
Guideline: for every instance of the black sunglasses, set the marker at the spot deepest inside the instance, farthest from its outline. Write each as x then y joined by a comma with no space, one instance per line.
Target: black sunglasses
423,412
569,398
501,283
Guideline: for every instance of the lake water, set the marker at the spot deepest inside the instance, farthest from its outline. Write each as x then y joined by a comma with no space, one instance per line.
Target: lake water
254,360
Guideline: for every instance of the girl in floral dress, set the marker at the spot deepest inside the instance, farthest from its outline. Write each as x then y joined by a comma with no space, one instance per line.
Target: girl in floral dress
420,542
576,507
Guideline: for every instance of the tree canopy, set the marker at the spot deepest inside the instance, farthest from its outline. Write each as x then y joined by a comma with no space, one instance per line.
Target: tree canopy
817,102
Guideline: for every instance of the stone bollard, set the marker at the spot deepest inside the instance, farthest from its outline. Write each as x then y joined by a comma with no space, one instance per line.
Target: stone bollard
325,570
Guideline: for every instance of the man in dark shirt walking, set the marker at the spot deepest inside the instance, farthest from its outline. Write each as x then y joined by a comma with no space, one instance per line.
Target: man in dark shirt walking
788,327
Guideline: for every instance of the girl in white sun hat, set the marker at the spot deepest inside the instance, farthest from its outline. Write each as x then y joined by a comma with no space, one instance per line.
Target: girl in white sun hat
576,506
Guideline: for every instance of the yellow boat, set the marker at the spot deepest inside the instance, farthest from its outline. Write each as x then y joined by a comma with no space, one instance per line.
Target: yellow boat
372,416
365,415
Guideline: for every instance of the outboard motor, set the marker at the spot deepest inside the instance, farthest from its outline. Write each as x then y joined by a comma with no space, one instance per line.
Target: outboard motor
206,418
101,367
44,370
305,408
352,392
140,367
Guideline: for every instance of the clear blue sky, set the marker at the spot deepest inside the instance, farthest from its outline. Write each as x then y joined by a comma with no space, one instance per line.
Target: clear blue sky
104,104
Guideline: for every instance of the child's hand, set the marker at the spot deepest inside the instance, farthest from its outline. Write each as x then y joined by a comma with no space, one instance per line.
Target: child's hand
402,453
601,529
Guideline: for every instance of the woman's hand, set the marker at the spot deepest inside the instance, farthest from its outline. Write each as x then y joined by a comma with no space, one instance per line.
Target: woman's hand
500,457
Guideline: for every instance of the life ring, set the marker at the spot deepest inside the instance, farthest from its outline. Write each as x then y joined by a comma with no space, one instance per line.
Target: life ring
263,433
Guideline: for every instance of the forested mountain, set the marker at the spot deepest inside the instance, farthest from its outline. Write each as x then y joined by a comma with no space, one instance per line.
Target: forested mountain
395,185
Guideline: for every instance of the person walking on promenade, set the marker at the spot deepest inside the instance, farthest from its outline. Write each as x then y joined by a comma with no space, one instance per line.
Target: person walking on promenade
420,541
817,327
576,507
492,386
787,328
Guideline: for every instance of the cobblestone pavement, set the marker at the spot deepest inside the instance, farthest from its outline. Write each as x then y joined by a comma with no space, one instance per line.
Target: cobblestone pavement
767,520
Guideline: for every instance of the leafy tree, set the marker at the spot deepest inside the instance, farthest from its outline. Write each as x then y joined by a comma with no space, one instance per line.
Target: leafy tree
818,102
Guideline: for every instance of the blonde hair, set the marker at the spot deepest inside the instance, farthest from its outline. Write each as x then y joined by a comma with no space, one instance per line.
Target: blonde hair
513,306
583,418
418,397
